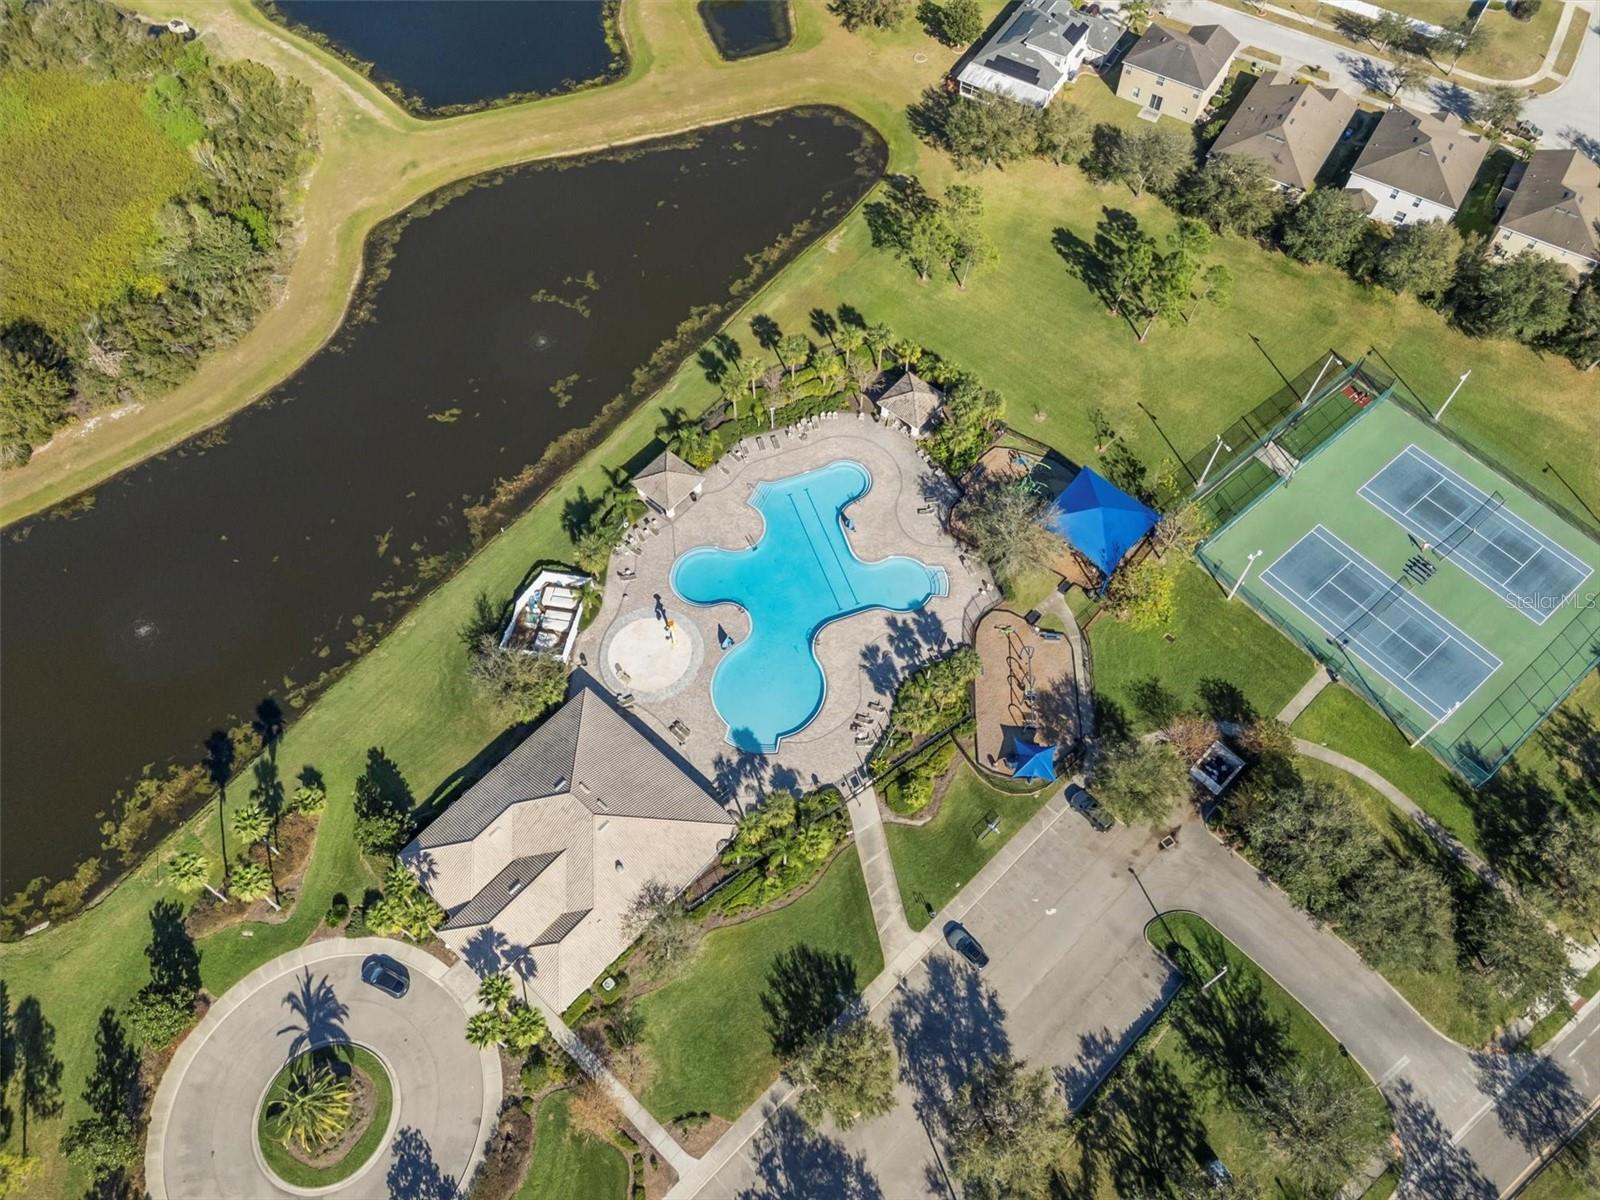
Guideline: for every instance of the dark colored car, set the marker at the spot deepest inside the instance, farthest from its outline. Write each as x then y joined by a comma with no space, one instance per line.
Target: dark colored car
383,973
1084,801
964,944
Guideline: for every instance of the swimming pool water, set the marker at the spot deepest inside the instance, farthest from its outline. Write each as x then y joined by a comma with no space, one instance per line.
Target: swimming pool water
798,577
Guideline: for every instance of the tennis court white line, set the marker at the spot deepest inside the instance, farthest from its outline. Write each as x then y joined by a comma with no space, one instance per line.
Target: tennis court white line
1359,604
1384,667
1502,586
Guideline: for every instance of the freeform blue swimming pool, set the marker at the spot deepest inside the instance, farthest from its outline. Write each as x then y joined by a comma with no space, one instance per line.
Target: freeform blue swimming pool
798,577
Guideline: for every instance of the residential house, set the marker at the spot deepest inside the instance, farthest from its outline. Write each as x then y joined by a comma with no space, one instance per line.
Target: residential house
1291,127
1554,211
1037,52
1176,74
666,482
1416,168
537,863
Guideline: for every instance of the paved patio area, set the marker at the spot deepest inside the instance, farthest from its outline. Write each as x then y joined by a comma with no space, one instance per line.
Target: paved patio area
863,656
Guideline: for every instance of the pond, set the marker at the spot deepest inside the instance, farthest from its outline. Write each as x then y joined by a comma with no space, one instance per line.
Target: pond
742,28
448,54
259,555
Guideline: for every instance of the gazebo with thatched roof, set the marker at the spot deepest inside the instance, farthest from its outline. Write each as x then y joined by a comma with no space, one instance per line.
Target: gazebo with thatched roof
913,403
666,482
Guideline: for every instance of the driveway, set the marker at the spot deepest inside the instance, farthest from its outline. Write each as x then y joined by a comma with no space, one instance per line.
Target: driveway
446,1093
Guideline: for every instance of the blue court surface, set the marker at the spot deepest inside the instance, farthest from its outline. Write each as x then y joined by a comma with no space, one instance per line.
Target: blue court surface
1379,621
1473,529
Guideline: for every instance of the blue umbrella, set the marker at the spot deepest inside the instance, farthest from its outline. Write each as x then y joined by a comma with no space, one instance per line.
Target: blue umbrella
1029,761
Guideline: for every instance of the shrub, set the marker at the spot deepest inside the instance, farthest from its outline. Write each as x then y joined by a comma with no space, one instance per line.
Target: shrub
937,695
1144,595
338,910
536,1072
156,1017
909,789
577,1009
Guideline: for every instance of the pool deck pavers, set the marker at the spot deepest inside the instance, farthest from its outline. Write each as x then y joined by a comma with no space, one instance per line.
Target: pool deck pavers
863,655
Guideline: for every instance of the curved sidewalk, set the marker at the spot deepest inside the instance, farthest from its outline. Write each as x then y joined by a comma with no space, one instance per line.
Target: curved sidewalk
202,1141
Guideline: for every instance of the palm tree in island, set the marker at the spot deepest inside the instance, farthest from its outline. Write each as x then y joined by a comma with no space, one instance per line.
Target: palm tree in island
792,351
313,1109
252,882
878,339
851,339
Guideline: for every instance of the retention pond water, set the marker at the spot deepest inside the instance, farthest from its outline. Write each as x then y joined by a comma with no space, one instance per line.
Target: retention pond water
264,553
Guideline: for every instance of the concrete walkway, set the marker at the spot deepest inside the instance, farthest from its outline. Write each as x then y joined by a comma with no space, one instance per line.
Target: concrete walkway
872,845
1303,698
202,1137
662,1142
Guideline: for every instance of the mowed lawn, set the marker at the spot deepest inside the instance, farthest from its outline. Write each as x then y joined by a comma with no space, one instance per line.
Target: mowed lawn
1216,656
933,862
569,1162
83,172
706,1032
1176,1076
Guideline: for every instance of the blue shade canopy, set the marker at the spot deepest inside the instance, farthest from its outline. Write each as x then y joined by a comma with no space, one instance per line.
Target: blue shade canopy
1100,520
1032,762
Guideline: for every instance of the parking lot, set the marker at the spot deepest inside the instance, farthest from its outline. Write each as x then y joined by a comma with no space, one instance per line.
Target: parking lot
1070,982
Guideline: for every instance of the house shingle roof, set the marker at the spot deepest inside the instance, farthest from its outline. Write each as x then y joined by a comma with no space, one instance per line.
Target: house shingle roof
1558,202
912,400
1291,127
538,861
667,480
1429,156
1019,49
1195,58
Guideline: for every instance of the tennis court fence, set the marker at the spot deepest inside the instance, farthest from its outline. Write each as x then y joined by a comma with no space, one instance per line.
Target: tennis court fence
1481,749
1291,426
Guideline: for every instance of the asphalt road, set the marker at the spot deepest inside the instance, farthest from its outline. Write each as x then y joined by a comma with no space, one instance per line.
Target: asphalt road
202,1143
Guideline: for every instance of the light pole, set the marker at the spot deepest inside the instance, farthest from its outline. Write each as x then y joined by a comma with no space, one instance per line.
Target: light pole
1248,563
1220,447
1440,414
1164,926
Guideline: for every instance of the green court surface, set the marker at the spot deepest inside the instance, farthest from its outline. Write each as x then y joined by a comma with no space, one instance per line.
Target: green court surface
1462,607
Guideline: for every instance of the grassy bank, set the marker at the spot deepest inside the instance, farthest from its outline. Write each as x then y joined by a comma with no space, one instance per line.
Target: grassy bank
933,862
569,1162
1181,1094
706,1031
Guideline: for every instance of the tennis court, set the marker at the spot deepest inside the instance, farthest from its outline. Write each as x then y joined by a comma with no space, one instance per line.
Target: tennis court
1434,584
1379,621
1459,520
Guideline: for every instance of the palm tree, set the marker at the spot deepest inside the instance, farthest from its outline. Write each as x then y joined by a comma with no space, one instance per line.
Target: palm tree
252,882
494,992
772,381
483,1029
862,374
792,350
251,823
524,1027
190,871
878,338
908,352
313,1108
743,373
851,338
830,373
219,769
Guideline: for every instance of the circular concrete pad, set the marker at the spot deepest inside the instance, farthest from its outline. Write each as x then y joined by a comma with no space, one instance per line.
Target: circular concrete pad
645,661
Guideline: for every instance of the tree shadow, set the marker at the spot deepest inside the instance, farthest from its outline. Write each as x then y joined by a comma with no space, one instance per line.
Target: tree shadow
485,951
1453,98
1141,1134
1223,701
766,332
413,1172
944,1029
1436,1166
319,1015
1572,739
881,670
1156,702
931,631
825,325
35,1069
902,639
794,1162
1510,813
174,960
1111,722
1085,264
1368,72
1538,1101
114,1090
807,991
1229,1028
